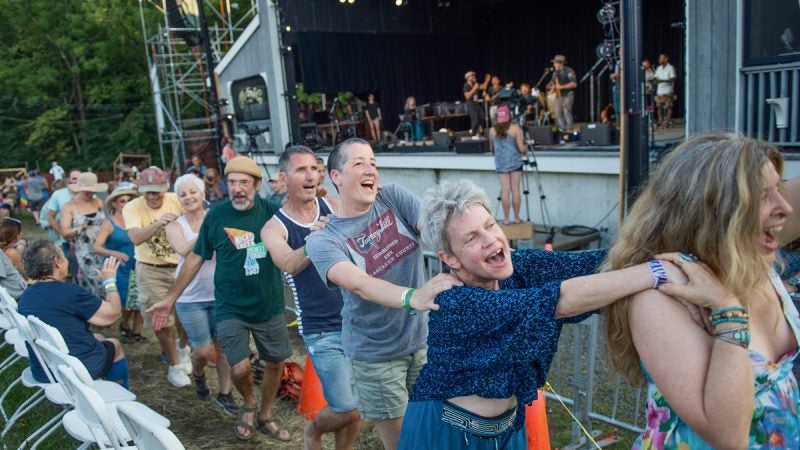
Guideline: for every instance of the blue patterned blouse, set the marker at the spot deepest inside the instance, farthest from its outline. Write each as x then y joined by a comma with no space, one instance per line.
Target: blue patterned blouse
496,344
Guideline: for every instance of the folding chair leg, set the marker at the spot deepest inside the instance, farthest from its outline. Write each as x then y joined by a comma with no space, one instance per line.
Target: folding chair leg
5,394
9,361
53,425
26,406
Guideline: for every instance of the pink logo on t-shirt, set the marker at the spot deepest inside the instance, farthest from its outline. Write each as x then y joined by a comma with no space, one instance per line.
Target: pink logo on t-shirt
382,245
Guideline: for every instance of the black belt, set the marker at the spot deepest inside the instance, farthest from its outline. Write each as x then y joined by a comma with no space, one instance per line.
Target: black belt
161,266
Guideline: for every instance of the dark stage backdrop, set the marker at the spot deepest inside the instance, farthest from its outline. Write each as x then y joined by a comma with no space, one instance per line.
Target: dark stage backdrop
422,50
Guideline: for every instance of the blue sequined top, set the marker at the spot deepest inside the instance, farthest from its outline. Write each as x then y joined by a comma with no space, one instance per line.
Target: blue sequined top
496,344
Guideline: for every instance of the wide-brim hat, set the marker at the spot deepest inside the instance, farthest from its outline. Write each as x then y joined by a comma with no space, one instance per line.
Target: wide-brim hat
466,75
559,59
123,189
87,182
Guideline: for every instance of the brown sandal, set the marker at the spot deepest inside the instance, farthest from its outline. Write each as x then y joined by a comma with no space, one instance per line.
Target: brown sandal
250,430
263,427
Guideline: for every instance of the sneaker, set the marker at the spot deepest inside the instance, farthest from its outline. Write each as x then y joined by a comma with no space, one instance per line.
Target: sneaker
201,387
184,357
228,404
177,377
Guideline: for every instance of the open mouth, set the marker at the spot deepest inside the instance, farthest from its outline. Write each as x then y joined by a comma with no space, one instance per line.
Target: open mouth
368,184
771,237
496,258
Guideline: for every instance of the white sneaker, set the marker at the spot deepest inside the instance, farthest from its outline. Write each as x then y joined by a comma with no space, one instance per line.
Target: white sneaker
185,357
177,377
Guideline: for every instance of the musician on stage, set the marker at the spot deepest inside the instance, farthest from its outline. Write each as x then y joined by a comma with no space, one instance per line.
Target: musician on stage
473,92
564,81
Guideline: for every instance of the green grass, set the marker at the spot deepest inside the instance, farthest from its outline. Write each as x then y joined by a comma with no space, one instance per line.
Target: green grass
34,418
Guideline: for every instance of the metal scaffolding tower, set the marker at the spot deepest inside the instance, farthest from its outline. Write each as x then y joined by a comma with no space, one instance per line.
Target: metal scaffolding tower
178,72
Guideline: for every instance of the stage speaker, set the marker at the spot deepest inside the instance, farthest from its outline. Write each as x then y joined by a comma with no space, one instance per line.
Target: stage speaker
441,138
472,146
598,134
462,134
542,135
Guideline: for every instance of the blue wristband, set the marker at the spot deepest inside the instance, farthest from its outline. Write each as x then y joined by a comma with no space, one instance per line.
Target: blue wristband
109,281
659,273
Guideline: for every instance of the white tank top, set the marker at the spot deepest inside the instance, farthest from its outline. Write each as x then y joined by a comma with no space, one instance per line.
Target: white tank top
201,288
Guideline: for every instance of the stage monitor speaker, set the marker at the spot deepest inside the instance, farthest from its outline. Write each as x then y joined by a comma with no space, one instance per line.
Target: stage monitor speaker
542,135
462,134
598,134
441,138
472,146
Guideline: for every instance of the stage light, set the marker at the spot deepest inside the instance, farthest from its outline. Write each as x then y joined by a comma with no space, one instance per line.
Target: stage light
607,14
288,28
351,1
605,50
342,1
398,2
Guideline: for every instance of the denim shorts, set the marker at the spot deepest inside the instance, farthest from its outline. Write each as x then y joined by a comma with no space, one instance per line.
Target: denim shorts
199,321
333,370
382,388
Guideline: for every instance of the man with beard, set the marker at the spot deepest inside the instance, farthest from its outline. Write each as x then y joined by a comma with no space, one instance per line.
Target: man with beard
146,219
248,293
371,250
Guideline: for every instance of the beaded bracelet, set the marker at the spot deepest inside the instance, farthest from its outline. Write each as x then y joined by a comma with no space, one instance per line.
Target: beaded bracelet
659,273
729,309
736,336
111,291
109,281
110,286
721,320
405,300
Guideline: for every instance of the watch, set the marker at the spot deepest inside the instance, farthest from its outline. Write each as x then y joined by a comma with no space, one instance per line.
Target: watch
795,282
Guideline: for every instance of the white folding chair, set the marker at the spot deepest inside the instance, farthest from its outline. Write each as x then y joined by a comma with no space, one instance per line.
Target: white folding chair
59,354
145,433
11,336
51,390
91,421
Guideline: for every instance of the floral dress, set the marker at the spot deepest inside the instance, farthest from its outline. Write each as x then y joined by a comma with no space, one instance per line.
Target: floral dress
87,259
775,424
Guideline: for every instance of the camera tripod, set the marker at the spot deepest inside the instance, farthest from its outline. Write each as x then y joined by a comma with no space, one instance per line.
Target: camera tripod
252,140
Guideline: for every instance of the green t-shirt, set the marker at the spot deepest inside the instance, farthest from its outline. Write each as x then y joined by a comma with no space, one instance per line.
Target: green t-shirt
247,285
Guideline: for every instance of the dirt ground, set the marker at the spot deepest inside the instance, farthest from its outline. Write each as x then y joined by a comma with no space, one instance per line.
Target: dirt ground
200,424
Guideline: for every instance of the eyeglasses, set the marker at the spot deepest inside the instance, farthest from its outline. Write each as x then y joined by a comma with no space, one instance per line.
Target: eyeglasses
242,183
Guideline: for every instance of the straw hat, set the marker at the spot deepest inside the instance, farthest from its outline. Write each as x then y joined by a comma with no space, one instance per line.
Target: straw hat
128,189
87,182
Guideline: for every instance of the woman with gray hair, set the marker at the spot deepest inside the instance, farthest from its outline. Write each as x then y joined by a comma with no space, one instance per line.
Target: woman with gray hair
491,343
196,306
71,309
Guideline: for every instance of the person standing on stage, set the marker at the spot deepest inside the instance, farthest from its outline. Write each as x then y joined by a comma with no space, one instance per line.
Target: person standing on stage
472,93
319,309
564,82
665,89
374,116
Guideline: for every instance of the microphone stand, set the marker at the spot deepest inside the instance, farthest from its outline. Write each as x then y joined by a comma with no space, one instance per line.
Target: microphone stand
547,71
334,120
590,74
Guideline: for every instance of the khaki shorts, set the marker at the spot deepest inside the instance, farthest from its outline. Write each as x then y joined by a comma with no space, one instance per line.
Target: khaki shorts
153,283
382,388
665,100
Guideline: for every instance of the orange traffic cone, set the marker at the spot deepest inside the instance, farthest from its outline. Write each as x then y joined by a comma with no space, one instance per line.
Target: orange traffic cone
536,424
311,398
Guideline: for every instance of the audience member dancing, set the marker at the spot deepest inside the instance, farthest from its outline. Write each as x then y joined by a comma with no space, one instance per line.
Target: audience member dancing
113,240
564,83
195,306
248,293
725,382
72,309
481,373
319,308
146,219
80,221
507,143
370,249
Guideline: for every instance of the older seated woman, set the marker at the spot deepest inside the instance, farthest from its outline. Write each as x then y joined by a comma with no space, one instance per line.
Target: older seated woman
71,309
727,382
491,343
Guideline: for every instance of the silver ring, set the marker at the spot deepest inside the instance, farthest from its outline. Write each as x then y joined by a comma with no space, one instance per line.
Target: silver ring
687,257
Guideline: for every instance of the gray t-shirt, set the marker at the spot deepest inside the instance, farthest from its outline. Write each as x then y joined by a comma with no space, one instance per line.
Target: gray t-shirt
34,187
384,243
10,277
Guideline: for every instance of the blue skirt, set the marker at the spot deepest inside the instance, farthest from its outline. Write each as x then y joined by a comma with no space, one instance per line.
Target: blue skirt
441,425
